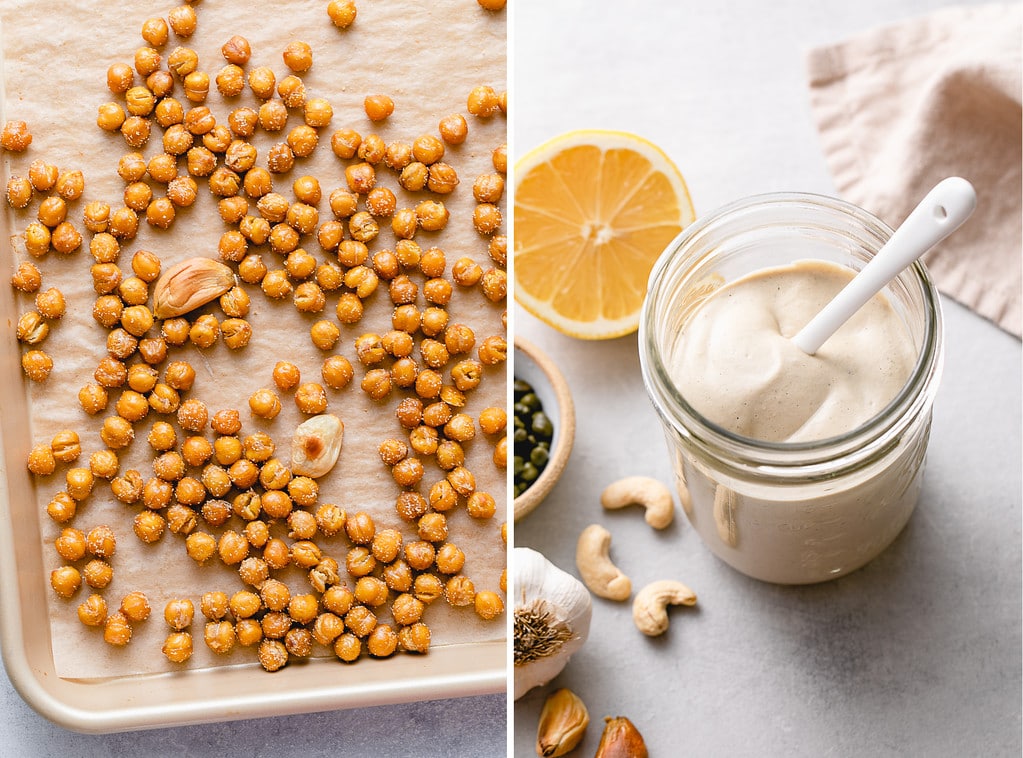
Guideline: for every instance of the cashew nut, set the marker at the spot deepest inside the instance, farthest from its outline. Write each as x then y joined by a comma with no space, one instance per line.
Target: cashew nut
649,493
595,566
649,609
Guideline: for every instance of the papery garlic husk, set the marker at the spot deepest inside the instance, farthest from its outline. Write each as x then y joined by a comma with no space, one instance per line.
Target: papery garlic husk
316,445
551,619
190,284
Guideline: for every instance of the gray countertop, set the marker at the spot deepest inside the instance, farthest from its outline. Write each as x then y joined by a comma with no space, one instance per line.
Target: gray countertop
918,653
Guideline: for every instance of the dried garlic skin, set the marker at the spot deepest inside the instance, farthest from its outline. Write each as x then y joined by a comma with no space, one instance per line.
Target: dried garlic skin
316,445
621,739
190,284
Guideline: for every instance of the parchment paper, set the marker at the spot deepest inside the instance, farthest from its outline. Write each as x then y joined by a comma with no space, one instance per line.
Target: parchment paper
427,57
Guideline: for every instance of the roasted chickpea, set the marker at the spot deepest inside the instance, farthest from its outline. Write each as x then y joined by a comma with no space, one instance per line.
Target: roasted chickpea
342,13
65,581
336,372
265,403
93,612
459,591
310,398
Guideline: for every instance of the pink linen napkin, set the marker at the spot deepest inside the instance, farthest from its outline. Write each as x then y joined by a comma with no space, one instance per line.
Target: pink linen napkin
901,107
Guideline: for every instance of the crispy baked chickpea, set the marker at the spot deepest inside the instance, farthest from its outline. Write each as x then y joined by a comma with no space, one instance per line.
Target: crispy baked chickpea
414,176
378,107
116,432
182,61
398,155
93,612
420,554
257,533
232,547
160,83
361,178
381,202
318,112
347,647
276,553
424,440
52,211
408,472
327,628
169,112
493,350
463,480
427,588
253,571
377,383
336,372
292,91
459,591
324,334
15,136
482,101
19,192
310,398
232,210
264,403
486,218
127,488
149,526
428,383
345,143
415,638
410,505
236,50
342,13
230,80
273,116
436,415
443,496
37,365
481,505
371,591
70,544
432,215
37,239
450,559
433,527
488,605
65,581
27,277
197,87
227,450
136,131
460,428
98,574
219,636
330,519
93,398
442,178
41,461
232,246
119,78
182,191
298,56
493,420
449,455
178,647
360,620
427,149
135,606
201,546
397,575
466,272
237,332
182,20
303,608
453,129
404,223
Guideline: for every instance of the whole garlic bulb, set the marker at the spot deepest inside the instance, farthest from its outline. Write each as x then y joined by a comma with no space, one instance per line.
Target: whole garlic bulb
552,619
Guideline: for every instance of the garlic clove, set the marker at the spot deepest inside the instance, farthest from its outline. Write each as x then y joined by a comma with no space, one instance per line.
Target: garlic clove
190,284
316,445
563,723
551,619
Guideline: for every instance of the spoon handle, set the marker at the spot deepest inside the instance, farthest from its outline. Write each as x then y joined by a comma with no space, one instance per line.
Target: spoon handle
939,214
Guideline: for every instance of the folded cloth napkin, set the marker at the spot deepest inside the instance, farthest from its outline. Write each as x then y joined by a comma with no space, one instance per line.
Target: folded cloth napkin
902,107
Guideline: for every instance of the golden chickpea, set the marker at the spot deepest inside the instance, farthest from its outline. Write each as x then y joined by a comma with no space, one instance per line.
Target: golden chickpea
494,350
37,365
398,155
157,493
415,638
244,604
450,559
182,191
450,455
360,620
500,159
237,332
178,647
265,403
345,143
169,112
443,496
361,178
433,527
299,264
65,581
135,606
236,50
336,372
98,573
181,519
232,246
19,192
427,588
15,136
481,505
462,480
230,80
283,239
227,450
37,239
292,92
324,334
182,20
342,13
27,278
243,473
41,461
79,482
200,162
347,647
427,149
70,544
441,179
298,56
404,223
453,129
310,398
93,612
219,636
127,488
414,176
378,107
119,78
93,398
349,308
460,428
232,547
482,101
136,130
318,112
488,188
253,571
488,605
466,272
66,446
459,591
486,218
432,215
327,628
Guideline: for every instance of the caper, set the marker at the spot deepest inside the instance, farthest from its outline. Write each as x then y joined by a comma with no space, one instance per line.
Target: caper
532,435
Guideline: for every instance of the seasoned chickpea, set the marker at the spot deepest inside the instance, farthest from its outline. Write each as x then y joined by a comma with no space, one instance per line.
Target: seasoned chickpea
311,398
65,581
427,588
427,149
500,159
37,365
493,420
463,480
450,559
227,450
93,612
253,270
101,542
453,129
275,595
41,461
342,13
432,215
275,284
19,192
459,590
303,608
442,178
420,554
404,223
488,605
408,472
324,334
244,604
443,496
127,488
27,277
414,176
135,606
398,155
232,547
276,553
493,350
219,636
37,239
178,647
377,383
347,647
116,432
378,107
433,527
157,493
327,628
265,403
169,112
360,620
236,50
181,519
98,573
149,527
361,178
466,272
345,143
230,80
449,455
483,101
424,440
292,91
182,20
253,571
244,473
318,112
415,638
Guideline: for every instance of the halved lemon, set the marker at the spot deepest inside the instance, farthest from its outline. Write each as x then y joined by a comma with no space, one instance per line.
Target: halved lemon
593,211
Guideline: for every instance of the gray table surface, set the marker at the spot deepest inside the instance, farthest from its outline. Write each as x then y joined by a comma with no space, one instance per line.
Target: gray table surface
917,654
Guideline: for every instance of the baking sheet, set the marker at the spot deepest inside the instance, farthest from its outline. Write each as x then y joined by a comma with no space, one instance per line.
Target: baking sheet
427,59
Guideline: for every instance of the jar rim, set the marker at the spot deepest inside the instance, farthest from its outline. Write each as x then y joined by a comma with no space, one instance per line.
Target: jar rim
857,445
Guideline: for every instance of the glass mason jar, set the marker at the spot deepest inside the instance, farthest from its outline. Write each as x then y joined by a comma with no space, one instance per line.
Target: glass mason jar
791,513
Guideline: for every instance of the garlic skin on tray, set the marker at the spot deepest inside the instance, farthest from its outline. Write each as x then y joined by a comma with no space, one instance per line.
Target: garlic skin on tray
552,619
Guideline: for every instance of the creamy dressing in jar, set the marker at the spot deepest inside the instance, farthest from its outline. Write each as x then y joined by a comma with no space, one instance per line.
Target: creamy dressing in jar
735,362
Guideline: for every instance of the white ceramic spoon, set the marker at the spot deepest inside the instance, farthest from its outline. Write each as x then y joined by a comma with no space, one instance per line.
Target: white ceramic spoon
939,214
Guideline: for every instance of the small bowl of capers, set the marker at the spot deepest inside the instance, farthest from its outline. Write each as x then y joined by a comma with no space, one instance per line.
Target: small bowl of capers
544,426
